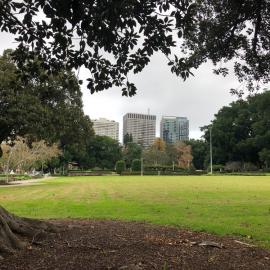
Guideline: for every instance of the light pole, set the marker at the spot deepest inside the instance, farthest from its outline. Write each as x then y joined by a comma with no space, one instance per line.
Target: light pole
211,151
141,166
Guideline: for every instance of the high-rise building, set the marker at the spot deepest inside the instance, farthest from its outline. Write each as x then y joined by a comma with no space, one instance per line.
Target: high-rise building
142,127
174,129
105,127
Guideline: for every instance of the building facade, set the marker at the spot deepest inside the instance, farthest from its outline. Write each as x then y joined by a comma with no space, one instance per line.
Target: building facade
105,127
173,129
142,127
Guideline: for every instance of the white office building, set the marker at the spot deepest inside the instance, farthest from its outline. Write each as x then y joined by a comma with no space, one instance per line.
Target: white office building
105,127
142,127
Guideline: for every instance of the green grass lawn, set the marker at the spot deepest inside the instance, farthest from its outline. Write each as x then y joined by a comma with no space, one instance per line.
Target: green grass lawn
234,205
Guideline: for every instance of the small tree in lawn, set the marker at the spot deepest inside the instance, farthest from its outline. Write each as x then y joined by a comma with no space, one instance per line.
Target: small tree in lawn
22,157
120,166
136,165
184,155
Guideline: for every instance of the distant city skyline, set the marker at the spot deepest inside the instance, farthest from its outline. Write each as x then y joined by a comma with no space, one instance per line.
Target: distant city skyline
110,127
143,128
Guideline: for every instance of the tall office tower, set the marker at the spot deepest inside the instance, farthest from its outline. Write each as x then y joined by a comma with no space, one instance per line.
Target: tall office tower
105,127
141,126
174,129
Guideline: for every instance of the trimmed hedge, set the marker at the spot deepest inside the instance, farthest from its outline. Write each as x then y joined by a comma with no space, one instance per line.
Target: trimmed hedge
162,168
120,166
89,173
136,165
164,173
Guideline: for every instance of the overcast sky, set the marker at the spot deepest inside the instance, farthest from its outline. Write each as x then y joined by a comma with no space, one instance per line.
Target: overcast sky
199,98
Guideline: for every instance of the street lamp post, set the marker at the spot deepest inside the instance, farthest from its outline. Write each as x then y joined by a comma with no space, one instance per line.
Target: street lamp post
211,151
141,166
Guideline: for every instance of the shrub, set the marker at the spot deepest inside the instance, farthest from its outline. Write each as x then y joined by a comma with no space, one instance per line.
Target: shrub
120,166
233,166
136,165
250,167
218,168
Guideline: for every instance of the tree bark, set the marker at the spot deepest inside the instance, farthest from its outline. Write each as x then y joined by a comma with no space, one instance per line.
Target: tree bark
17,232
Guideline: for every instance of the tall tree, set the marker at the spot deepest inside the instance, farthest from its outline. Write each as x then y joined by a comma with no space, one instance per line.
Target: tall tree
172,154
39,108
43,109
131,152
240,131
199,150
264,155
184,157
127,139
156,154
105,152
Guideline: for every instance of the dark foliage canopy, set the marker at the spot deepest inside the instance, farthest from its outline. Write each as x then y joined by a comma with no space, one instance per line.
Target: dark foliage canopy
241,131
113,38
200,153
131,152
103,152
51,109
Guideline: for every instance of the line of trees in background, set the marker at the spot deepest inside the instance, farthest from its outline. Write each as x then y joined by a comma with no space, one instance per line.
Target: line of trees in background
240,140
241,135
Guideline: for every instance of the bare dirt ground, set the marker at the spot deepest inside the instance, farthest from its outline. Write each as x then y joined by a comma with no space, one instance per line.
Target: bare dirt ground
86,244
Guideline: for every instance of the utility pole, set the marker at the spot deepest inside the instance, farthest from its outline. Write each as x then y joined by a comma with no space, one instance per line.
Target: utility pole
211,151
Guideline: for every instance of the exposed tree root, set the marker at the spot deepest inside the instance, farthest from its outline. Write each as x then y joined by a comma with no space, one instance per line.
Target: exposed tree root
14,228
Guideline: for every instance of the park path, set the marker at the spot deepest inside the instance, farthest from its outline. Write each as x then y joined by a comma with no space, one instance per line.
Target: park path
38,181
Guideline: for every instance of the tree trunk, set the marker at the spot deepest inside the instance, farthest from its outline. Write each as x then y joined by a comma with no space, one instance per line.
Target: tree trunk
17,232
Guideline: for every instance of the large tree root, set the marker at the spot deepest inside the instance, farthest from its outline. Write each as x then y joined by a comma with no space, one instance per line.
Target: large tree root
14,228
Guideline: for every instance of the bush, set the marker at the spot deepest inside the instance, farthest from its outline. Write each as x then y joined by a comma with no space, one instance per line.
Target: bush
233,166
217,168
130,173
136,165
250,167
120,166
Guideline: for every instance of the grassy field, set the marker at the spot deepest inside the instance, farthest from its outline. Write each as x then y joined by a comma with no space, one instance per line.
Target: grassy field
234,205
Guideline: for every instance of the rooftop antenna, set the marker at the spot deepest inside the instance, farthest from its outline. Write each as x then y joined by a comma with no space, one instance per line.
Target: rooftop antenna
148,111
